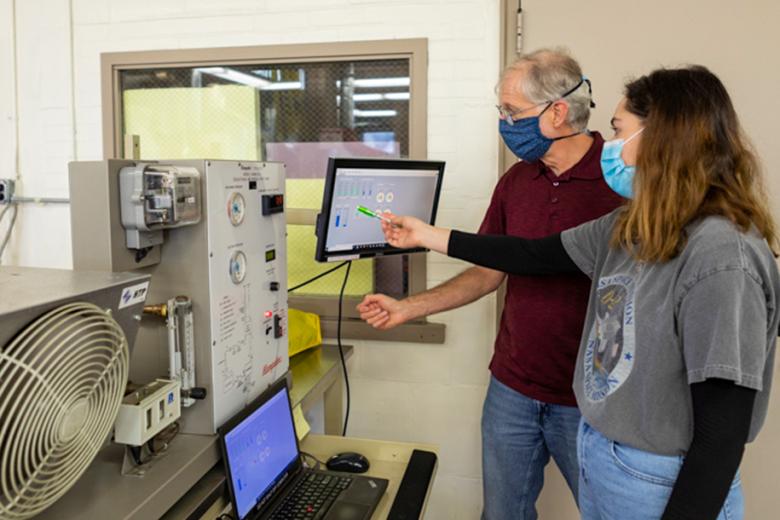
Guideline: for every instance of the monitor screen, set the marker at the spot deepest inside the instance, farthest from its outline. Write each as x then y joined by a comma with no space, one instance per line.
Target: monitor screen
398,186
260,450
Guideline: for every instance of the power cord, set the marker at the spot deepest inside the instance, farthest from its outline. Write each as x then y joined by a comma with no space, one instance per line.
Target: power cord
135,452
348,263
5,210
318,464
10,226
324,273
341,348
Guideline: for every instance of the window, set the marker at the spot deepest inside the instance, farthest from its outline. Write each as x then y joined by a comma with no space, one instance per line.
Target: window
295,104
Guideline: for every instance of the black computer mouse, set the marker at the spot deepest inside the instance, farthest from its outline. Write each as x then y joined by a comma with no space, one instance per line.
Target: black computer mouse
349,462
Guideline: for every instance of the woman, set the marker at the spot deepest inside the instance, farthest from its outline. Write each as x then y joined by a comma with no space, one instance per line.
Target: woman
676,357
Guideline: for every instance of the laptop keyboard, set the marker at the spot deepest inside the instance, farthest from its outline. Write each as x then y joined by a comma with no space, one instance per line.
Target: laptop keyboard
313,494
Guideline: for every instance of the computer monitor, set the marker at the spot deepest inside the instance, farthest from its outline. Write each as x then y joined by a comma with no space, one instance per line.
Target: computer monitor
398,186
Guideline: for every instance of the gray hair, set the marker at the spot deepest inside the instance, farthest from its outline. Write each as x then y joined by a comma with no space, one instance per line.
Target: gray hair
547,74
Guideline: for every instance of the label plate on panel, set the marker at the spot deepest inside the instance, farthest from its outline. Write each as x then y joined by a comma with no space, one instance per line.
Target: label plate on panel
133,295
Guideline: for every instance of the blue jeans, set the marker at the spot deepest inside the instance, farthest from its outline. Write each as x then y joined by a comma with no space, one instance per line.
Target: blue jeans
619,482
518,436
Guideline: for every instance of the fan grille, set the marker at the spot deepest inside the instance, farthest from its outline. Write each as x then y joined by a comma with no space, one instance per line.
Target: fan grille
61,383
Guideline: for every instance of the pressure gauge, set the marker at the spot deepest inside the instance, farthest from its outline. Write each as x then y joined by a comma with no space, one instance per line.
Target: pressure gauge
237,267
236,208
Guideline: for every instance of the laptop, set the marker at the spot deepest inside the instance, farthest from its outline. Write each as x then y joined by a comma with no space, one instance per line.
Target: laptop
266,478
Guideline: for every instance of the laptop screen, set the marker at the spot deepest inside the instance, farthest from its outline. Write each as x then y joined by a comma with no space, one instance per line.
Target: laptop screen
260,450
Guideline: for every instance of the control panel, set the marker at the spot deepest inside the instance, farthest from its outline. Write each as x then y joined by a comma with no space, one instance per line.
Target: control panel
248,280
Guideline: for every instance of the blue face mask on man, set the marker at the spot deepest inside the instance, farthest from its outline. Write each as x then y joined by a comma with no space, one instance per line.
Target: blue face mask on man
617,174
524,136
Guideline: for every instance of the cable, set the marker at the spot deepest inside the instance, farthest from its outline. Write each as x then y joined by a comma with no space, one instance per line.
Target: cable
310,280
15,59
318,463
135,452
348,263
72,60
140,254
9,231
341,348
40,200
5,210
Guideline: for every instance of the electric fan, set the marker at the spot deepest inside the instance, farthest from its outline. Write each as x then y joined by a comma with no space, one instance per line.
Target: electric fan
62,378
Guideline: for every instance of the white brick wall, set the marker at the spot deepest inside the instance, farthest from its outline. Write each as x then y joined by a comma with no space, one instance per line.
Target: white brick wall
45,122
429,393
7,122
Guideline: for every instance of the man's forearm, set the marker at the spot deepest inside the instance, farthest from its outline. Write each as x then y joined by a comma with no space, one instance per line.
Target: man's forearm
468,286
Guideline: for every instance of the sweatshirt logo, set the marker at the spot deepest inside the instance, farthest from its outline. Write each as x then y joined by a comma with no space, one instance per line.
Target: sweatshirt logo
609,352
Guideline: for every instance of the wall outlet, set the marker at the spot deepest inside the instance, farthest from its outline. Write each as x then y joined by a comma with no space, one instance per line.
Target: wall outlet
6,190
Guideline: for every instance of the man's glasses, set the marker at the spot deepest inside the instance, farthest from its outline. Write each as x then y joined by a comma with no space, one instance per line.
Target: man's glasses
510,117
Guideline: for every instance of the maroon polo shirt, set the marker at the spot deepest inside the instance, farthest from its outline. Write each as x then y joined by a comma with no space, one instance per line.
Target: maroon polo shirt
537,343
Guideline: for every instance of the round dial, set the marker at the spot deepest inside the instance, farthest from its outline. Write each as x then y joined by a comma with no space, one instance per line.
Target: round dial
237,267
236,208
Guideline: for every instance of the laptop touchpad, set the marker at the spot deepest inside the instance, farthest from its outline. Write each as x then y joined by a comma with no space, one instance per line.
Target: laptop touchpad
347,511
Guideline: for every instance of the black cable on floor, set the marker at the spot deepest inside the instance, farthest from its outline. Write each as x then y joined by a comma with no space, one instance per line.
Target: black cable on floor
310,280
341,349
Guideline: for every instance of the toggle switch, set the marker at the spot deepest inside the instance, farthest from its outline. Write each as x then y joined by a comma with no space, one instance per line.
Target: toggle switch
278,331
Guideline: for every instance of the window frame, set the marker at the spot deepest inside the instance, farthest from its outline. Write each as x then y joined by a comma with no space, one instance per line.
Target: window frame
413,49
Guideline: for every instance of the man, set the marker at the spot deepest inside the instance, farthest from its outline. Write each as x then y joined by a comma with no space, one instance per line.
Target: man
530,411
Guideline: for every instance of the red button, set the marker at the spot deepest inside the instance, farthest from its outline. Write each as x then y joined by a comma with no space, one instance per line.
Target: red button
268,314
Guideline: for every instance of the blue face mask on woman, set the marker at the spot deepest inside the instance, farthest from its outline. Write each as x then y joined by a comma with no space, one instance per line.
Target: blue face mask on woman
617,174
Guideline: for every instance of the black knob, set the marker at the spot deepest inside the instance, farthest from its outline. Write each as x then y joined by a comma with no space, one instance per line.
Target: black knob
274,286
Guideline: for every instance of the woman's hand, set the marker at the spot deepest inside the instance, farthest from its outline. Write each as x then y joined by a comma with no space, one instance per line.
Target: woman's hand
404,232
411,232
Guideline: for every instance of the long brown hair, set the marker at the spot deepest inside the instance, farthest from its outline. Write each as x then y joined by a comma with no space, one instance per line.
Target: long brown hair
693,161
